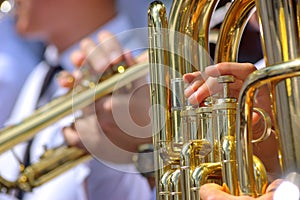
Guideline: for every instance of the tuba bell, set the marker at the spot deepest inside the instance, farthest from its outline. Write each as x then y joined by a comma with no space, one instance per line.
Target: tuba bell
213,143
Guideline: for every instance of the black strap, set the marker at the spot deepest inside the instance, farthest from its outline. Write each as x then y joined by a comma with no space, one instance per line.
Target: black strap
48,78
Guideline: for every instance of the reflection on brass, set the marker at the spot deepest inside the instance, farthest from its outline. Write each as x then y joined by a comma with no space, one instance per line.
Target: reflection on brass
213,143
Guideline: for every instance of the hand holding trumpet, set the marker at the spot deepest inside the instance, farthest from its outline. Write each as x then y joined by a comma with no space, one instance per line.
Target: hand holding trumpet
113,127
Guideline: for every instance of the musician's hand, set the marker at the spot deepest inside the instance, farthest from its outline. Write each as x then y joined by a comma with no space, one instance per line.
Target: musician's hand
118,122
95,58
204,84
114,127
217,192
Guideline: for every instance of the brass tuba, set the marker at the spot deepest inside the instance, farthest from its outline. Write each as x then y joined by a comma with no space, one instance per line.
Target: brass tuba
213,143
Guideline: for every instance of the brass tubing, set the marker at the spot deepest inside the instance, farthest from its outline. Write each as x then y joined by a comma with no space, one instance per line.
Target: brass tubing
280,36
191,155
178,13
161,108
198,28
60,160
190,30
280,42
175,185
224,112
232,29
258,78
202,174
224,109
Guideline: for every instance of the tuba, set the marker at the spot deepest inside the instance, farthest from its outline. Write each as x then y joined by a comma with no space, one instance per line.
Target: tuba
213,143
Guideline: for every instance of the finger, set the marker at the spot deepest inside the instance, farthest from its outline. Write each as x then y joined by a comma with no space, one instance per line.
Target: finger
96,57
239,70
110,44
103,109
142,57
189,77
128,57
214,191
233,88
268,196
193,87
199,91
256,118
65,79
207,89
87,46
274,185
133,107
68,135
72,138
195,80
77,58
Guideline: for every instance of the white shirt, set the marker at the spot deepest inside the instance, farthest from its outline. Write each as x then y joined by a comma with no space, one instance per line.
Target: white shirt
260,64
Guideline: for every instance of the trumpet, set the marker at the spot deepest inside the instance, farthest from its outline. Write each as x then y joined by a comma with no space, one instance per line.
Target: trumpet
56,161
213,143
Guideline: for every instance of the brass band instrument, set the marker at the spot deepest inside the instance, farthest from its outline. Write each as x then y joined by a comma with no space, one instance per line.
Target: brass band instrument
213,143
56,161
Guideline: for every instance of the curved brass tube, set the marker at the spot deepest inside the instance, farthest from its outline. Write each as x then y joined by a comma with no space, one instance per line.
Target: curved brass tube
204,173
232,30
191,155
273,74
280,39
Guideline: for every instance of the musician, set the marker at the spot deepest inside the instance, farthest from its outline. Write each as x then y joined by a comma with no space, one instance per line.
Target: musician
196,92
62,24
111,110
239,70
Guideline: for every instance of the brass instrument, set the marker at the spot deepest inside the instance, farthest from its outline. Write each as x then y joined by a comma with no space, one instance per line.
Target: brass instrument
166,69
213,143
280,35
56,161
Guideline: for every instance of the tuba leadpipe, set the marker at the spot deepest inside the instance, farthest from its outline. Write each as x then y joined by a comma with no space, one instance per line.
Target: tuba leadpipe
56,161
